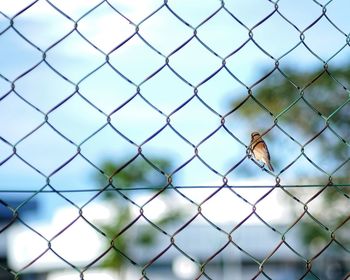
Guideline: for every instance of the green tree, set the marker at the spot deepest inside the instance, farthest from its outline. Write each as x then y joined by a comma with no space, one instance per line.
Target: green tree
310,109
122,182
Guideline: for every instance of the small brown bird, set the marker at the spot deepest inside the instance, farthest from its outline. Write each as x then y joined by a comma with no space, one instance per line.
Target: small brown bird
259,149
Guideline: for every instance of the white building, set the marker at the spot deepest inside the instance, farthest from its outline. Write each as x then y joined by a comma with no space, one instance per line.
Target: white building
53,250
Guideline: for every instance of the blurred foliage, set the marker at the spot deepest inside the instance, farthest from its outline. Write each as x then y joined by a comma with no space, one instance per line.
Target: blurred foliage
305,103
119,177
308,103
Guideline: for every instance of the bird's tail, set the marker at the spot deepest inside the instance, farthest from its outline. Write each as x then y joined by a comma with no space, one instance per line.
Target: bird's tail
270,166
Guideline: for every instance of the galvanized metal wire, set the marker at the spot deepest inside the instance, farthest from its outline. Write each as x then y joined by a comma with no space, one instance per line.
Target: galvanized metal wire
221,8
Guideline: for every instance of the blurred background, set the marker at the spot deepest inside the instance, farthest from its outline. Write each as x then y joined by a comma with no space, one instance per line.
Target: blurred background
124,131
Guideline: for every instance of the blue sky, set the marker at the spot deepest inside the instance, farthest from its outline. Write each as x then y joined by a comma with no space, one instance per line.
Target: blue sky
23,126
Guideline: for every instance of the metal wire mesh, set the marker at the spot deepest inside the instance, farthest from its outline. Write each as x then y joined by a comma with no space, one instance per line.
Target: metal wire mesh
34,112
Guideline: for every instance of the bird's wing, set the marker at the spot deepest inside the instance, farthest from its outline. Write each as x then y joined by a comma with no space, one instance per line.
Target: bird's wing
267,150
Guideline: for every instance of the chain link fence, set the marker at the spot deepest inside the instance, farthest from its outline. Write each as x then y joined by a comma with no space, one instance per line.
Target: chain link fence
124,133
